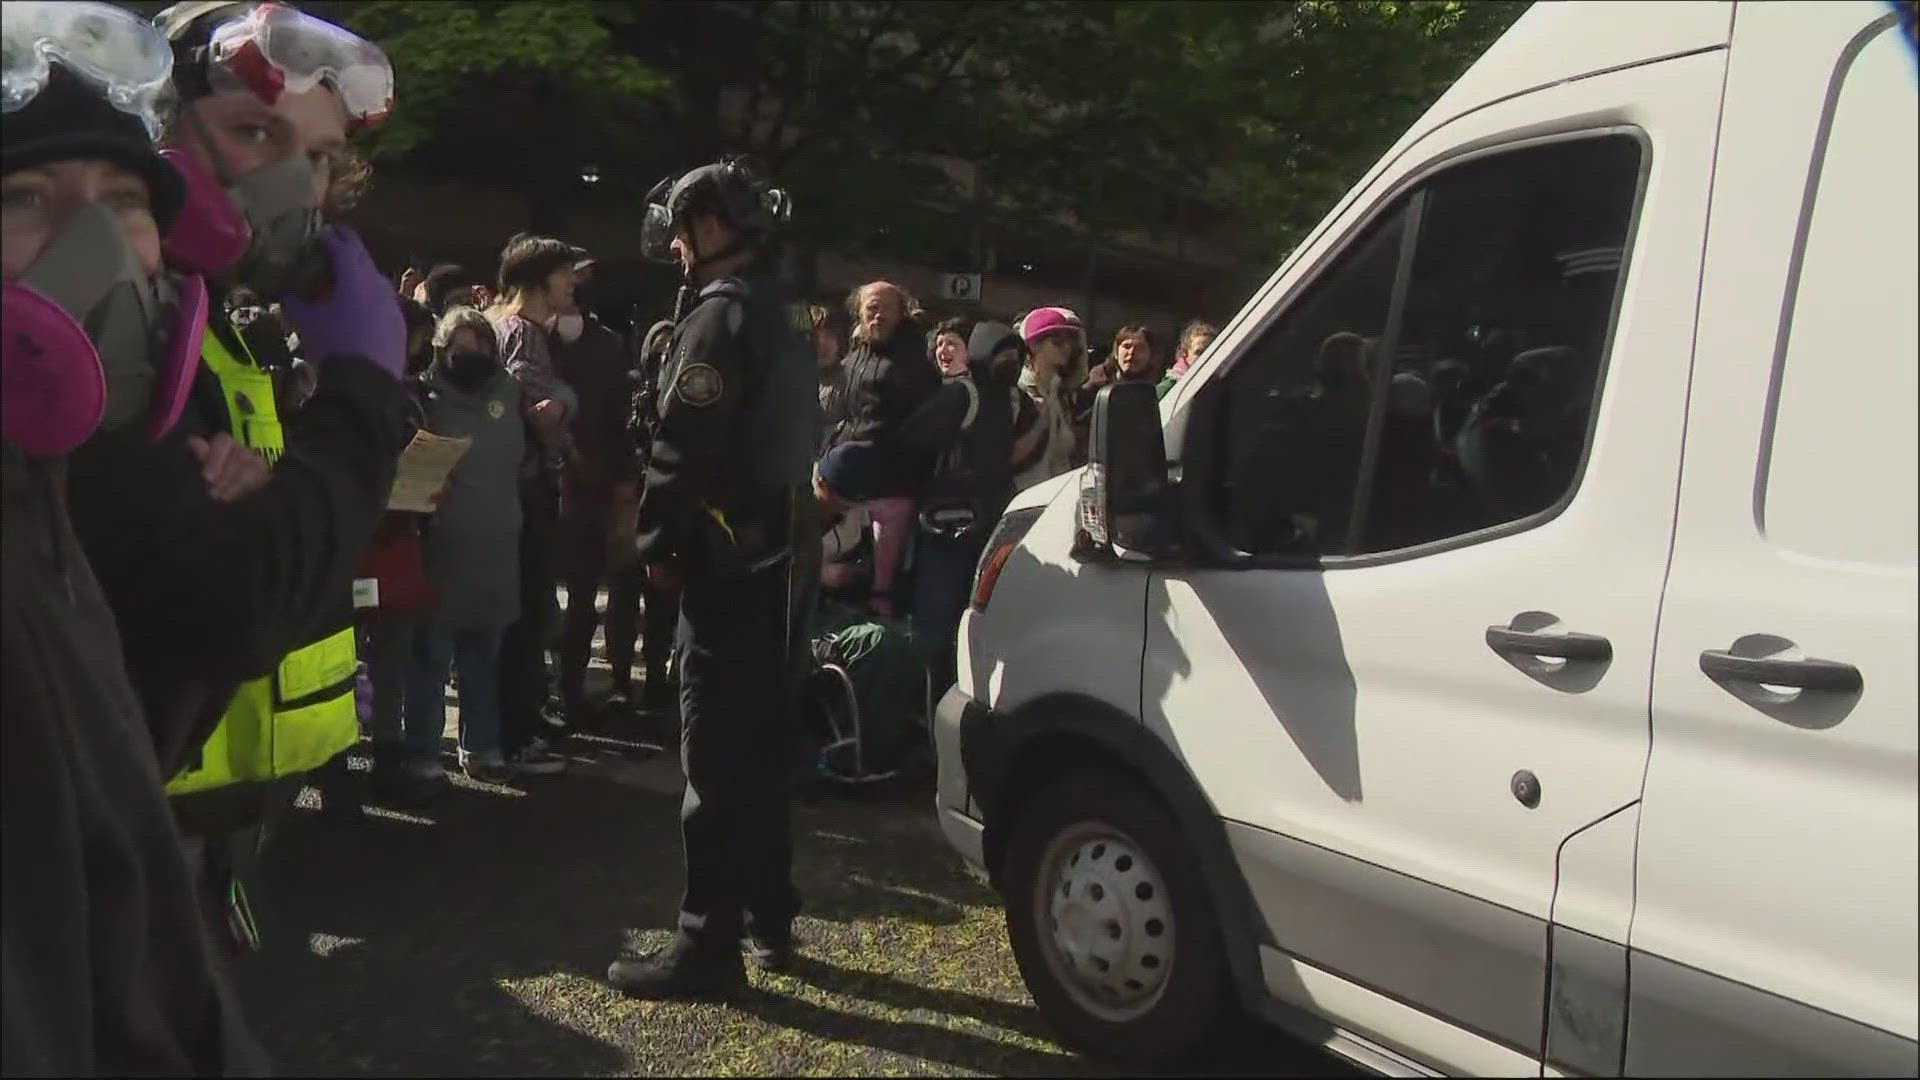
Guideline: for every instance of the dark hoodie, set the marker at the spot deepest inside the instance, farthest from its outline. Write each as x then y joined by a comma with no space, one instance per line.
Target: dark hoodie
885,382
107,968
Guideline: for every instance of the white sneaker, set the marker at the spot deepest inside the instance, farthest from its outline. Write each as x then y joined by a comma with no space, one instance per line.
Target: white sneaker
488,767
534,760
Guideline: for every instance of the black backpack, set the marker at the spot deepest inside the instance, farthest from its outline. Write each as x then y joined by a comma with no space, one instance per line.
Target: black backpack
963,495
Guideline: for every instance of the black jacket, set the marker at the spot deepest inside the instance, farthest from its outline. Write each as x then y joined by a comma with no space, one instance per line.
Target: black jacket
107,968
738,422
210,594
885,383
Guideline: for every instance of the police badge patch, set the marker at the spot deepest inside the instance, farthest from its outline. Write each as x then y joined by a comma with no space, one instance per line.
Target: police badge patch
699,385
496,410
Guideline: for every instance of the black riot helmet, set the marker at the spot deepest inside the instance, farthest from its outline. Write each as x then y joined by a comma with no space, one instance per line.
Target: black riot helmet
730,190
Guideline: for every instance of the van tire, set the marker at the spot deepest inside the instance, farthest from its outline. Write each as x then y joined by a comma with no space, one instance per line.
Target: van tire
1103,823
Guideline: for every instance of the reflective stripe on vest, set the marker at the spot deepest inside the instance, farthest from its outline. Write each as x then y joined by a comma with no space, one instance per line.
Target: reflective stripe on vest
260,737
248,392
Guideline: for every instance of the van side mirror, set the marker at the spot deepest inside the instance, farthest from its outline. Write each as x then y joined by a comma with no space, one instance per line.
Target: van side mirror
1125,504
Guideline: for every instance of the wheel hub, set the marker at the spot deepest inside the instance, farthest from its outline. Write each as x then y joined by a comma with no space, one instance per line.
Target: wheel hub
1110,926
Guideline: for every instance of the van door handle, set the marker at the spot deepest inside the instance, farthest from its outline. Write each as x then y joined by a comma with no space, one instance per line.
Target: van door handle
1801,674
1503,639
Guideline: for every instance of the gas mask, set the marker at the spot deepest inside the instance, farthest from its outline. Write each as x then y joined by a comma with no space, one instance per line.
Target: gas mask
92,342
261,224
570,327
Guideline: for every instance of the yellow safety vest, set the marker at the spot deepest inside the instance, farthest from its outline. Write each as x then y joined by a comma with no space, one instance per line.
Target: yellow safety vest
299,717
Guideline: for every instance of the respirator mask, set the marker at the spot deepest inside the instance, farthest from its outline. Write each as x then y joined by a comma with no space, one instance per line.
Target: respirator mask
89,339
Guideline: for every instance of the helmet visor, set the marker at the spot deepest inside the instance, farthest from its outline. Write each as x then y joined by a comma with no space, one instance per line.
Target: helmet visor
273,50
110,48
656,234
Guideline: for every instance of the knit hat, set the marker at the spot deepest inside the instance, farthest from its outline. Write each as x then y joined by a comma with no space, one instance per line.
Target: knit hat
70,120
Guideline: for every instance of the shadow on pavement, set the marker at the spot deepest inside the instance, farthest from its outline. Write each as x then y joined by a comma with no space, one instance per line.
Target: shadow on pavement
389,939
471,937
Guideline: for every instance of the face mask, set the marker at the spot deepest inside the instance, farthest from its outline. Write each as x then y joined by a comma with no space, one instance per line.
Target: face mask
470,370
93,342
570,327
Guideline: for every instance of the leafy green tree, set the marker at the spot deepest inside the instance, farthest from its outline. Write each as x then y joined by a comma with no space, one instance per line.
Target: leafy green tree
1114,114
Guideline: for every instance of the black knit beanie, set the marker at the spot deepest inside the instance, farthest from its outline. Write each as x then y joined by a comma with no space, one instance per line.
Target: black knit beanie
69,119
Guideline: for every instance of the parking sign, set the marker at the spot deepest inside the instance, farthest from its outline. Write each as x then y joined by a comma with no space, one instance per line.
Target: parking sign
960,287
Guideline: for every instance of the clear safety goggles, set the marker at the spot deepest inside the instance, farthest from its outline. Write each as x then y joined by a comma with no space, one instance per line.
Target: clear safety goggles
273,50
111,48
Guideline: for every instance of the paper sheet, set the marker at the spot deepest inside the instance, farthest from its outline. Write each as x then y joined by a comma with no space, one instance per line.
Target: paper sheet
424,467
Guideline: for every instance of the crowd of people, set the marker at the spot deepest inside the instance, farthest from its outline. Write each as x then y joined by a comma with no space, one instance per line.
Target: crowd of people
211,597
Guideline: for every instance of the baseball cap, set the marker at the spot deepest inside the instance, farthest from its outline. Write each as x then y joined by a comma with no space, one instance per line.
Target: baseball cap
1044,320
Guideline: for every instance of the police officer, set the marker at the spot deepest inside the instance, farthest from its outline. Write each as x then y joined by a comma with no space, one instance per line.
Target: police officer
718,518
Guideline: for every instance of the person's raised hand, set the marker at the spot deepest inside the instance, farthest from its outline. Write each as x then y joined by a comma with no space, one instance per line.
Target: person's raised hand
410,280
232,471
359,316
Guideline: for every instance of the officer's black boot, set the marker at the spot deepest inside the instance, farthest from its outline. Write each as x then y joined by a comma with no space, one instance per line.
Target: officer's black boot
681,970
770,951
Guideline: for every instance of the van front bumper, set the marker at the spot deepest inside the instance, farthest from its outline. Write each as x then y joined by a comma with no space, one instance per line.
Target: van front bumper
963,745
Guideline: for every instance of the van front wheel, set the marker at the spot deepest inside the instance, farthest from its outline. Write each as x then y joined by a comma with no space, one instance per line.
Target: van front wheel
1110,921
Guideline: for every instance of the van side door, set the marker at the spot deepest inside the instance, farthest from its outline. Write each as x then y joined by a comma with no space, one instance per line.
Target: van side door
1442,472
1775,929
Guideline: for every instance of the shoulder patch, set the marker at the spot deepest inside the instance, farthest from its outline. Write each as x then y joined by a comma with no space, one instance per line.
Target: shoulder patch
495,409
699,385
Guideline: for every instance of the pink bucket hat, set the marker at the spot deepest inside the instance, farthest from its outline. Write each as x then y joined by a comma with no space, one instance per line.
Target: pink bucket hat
1043,320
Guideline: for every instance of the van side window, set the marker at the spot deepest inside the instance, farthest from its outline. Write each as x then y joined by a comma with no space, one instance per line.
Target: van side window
1847,379
1294,413
1508,312
1480,415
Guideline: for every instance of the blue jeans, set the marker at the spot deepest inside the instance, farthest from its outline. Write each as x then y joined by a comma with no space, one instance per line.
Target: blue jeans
942,584
476,652
393,649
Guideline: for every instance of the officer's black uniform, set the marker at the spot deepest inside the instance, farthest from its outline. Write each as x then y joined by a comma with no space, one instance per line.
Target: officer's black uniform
725,481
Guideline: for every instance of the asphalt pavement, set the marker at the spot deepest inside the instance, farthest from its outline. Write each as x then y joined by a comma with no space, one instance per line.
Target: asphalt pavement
470,937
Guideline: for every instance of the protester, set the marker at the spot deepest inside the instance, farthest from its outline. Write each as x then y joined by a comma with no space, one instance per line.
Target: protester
106,966
886,660
947,345
420,325
471,550
973,419
1135,357
389,626
600,486
536,273
1056,341
887,377
234,604
829,346
448,285
1194,340
635,607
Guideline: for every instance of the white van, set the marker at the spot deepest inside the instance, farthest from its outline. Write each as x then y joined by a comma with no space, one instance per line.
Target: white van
1509,667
